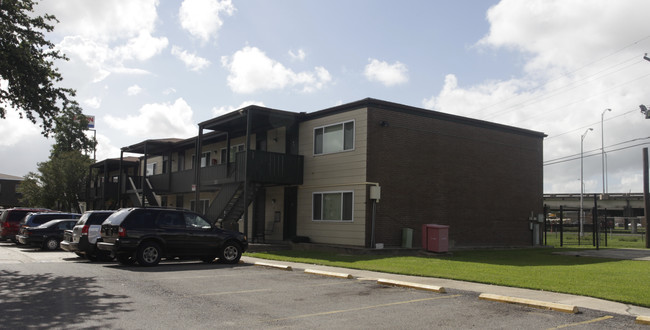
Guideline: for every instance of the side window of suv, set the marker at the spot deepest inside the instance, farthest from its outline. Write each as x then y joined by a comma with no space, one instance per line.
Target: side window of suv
170,219
144,218
196,222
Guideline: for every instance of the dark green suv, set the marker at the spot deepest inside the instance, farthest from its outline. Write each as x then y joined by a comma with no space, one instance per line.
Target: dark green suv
147,235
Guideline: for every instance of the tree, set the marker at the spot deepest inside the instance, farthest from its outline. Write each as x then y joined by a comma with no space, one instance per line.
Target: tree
27,69
60,183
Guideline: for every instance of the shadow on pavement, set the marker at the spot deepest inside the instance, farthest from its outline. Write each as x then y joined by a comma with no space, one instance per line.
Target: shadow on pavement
50,301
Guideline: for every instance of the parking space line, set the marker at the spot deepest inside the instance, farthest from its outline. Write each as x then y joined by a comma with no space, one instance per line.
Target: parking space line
607,317
229,292
361,308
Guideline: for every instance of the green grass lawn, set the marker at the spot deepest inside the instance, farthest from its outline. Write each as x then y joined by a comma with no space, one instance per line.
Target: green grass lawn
617,280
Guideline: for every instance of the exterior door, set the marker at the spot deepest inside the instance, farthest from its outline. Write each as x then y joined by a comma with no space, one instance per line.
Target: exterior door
290,213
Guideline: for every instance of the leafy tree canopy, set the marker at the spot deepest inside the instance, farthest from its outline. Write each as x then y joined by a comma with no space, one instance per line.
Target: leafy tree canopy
60,183
28,78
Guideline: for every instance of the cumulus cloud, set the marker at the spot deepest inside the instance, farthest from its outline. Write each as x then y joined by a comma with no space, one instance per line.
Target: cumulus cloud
157,120
578,60
93,102
103,35
297,56
103,21
192,61
216,112
202,18
251,71
133,90
385,73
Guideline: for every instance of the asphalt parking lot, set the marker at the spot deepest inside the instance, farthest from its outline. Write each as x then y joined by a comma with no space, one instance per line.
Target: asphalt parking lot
59,290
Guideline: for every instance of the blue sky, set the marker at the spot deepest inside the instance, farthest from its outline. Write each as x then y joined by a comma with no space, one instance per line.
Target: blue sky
154,69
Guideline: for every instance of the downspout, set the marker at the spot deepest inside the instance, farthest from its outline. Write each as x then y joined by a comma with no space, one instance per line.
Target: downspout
104,186
197,170
90,179
144,174
247,148
119,181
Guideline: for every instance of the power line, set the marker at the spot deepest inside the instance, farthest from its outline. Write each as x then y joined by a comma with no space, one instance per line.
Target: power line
595,152
568,73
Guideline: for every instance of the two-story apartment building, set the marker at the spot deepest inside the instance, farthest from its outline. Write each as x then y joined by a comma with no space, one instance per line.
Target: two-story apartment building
354,174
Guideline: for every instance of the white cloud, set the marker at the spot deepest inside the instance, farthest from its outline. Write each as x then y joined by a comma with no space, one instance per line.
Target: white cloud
565,34
103,21
169,91
298,56
251,71
157,120
105,35
133,90
216,112
578,60
193,62
387,74
14,129
142,47
201,18
93,102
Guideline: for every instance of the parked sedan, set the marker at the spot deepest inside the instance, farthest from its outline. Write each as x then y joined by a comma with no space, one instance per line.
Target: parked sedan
36,219
46,236
146,235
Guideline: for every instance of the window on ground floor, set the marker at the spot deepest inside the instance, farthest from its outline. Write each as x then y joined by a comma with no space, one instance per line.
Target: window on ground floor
332,206
203,206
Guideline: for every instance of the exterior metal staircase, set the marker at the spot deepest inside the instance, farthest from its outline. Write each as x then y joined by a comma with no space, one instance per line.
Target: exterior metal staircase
229,205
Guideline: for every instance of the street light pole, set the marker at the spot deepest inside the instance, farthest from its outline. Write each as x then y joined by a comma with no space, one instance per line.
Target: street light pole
582,186
602,146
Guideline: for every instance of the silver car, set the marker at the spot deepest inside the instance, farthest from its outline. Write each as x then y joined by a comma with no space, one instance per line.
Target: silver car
82,239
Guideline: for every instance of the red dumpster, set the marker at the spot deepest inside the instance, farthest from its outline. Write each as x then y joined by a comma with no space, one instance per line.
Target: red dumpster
435,238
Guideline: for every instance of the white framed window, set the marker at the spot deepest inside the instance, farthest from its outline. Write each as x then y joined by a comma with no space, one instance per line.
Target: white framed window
205,159
334,138
203,206
151,169
332,206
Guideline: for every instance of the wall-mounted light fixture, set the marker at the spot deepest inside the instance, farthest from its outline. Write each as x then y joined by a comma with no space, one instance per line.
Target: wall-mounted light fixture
383,123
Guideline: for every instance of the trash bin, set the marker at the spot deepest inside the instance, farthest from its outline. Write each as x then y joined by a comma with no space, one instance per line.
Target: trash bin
435,238
407,238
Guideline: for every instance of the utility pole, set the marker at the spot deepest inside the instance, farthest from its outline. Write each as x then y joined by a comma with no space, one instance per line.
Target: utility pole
646,196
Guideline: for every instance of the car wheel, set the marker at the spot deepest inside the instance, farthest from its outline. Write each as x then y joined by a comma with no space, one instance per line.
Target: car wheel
230,253
125,259
51,244
149,254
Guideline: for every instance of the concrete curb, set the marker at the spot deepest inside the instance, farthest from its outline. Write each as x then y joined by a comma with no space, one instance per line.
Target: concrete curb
643,320
412,285
264,264
529,302
330,274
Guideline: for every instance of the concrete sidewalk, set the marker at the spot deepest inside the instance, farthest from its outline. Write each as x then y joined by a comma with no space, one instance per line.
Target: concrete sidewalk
560,298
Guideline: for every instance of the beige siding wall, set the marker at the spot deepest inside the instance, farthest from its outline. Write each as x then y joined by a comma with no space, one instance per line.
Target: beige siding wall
276,140
335,172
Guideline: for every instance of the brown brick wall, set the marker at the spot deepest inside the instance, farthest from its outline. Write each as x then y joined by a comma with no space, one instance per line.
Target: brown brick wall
480,180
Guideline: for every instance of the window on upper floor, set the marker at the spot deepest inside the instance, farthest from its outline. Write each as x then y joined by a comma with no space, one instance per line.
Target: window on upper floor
334,138
151,169
332,206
